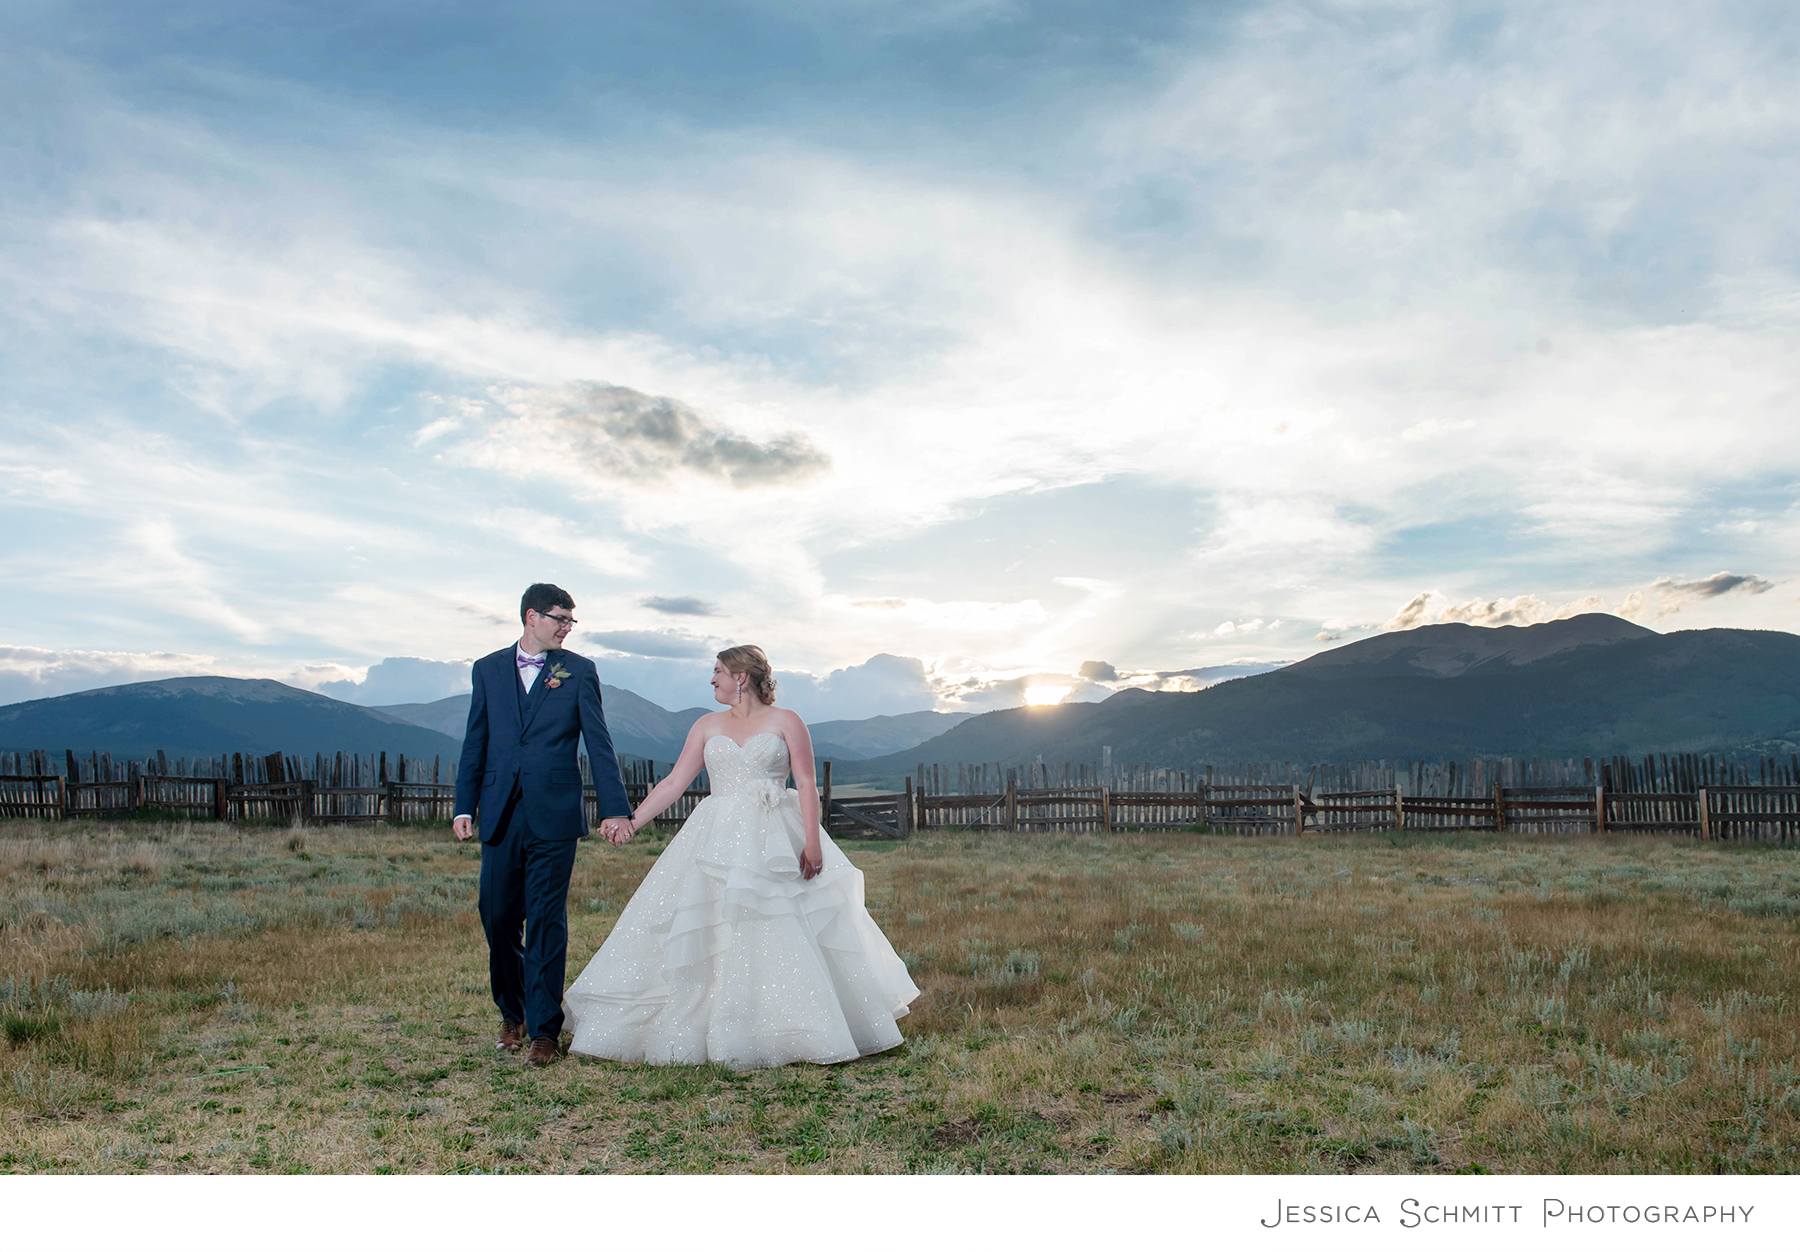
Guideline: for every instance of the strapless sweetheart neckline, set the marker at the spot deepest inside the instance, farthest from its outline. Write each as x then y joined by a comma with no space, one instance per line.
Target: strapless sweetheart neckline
741,746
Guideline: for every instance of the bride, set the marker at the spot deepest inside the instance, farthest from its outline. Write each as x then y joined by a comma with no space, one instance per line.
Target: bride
747,943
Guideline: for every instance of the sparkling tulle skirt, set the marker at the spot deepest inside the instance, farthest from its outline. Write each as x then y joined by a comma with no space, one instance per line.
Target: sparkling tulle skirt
725,954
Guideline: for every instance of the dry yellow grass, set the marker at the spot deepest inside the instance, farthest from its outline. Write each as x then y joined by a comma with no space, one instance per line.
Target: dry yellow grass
210,998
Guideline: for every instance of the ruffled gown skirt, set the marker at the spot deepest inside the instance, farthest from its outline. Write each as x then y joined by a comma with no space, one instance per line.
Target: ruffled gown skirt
725,954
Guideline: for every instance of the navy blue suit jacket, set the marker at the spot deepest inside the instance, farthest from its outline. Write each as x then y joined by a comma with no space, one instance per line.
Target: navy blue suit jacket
528,740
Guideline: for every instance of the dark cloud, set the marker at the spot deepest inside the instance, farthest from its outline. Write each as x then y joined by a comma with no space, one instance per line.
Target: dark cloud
680,606
1099,671
485,615
1719,584
651,643
619,432
1674,596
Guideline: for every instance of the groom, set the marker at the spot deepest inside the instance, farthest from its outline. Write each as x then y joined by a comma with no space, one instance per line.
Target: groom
532,704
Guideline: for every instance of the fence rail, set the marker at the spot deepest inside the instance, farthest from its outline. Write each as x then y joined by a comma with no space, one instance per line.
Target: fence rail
1705,796
1710,797
340,789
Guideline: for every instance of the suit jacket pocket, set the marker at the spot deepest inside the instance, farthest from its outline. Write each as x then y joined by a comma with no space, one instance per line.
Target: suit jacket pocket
490,778
565,778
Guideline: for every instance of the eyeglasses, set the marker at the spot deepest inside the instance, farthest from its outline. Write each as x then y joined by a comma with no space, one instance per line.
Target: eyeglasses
559,619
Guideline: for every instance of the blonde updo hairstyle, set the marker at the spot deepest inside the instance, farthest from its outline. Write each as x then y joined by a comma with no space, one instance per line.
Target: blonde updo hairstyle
748,659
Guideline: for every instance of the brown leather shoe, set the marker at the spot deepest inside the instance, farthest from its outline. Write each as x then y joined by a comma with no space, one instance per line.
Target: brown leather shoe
512,1036
543,1052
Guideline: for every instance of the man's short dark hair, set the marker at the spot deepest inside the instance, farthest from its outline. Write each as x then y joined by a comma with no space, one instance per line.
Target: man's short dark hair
540,598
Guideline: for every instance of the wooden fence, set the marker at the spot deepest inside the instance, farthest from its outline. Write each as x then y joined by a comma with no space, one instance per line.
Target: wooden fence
339,789
1711,797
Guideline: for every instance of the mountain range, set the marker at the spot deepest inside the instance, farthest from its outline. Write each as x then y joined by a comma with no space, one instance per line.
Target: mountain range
1591,685
210,715
640,728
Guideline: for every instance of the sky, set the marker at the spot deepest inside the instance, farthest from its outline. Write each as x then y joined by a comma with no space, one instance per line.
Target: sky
962,354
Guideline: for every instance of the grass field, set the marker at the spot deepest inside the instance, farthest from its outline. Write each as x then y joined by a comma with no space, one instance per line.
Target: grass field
209,998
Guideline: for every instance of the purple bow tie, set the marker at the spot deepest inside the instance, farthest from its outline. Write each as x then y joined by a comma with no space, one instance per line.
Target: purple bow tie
535,662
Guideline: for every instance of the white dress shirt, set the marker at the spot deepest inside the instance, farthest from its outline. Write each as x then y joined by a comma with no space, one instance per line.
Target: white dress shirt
528,673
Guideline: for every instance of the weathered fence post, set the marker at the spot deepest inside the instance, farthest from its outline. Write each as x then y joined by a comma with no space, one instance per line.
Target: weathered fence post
1399,809
1012,800
1499,808
392,793
906,811
221,800
308,800
1600,809
1299,812
1106,810
1705,817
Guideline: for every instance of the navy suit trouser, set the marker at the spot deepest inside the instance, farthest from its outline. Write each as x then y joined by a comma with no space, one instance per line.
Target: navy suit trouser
524,908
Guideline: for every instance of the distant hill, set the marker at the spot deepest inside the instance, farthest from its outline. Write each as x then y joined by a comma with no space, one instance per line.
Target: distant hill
1592,685
638,727
1455,648
877,736
208,717
643,729
448,716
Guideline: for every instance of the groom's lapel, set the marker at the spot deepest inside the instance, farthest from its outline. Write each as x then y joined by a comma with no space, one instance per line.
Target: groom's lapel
539,685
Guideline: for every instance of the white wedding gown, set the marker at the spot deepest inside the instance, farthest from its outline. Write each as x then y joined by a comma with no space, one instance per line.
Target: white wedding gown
726,954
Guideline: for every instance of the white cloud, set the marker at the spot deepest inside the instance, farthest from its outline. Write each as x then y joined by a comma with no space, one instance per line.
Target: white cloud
1249,626
882,684
28,673
1525,610
1436,428
401,680
1662,598
1536,284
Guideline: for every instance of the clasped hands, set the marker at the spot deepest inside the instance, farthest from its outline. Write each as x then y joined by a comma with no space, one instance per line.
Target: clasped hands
617,830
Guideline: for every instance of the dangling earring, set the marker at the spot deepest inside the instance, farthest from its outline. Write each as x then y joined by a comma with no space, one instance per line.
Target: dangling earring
739,698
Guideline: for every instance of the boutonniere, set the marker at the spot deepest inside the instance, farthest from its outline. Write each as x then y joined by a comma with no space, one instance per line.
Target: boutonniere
557,674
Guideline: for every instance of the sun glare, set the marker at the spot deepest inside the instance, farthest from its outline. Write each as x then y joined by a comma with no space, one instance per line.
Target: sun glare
1045,695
